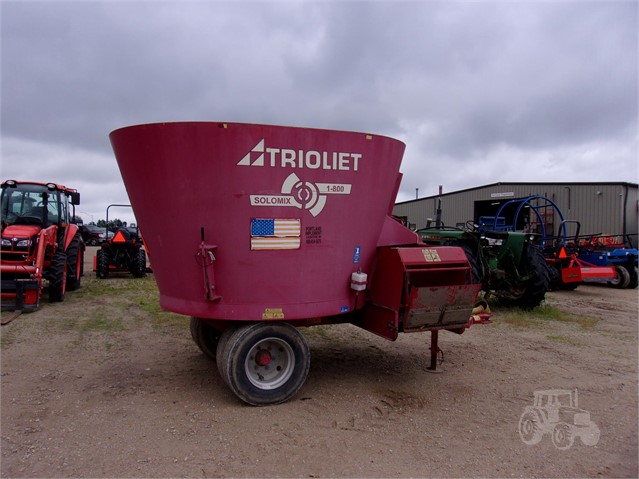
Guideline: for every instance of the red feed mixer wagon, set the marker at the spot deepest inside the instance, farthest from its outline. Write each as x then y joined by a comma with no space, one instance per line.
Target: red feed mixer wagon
257,230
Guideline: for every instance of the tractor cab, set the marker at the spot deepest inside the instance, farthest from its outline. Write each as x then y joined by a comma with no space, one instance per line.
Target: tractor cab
36,204
27,209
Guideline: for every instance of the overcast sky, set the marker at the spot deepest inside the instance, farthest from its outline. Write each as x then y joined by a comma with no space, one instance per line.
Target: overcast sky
480,92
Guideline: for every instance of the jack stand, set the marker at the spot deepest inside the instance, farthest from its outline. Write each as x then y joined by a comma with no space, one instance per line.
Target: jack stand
434,352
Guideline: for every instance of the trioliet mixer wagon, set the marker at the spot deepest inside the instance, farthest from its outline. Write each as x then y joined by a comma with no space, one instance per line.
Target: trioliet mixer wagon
256,230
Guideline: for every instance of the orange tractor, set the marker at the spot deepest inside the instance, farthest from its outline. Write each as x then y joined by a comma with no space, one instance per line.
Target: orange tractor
39,243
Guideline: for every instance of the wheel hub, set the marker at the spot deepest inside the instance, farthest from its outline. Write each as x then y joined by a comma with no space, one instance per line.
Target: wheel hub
263,357
270,363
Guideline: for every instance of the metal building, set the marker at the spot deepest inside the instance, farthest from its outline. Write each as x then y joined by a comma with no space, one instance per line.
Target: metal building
606,208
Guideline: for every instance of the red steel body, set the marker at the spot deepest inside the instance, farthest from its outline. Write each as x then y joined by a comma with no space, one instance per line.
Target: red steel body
216,201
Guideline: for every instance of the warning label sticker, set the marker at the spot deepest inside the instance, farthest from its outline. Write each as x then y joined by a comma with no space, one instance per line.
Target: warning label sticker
431,255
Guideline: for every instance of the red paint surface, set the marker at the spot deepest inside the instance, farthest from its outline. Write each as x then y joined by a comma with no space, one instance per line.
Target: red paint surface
184,176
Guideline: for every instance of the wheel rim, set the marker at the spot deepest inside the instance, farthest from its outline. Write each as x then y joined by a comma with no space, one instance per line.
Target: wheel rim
528,428
269,363
561,437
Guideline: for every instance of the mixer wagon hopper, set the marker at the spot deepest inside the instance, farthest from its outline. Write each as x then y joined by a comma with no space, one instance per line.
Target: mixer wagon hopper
258,230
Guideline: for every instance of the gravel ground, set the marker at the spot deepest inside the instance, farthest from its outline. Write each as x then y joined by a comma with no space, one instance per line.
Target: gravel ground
106,385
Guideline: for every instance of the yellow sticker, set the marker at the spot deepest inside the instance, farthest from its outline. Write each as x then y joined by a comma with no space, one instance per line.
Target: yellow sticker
273,313
431,255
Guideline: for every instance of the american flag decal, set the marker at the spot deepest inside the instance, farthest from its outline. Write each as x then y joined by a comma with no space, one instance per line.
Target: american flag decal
275,234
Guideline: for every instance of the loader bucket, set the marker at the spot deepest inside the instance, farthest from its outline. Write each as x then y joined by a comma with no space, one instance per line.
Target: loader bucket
255,222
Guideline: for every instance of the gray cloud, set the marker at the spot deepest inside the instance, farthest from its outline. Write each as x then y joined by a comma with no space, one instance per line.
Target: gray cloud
476,89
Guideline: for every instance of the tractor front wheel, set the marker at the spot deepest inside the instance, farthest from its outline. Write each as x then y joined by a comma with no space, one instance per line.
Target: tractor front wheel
58,277
590,435
263,363
562,436
205,336
102,264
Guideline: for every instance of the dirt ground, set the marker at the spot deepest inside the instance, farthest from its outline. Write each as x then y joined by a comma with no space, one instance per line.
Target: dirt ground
106,385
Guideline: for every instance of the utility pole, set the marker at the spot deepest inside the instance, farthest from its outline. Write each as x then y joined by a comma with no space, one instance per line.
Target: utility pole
438,213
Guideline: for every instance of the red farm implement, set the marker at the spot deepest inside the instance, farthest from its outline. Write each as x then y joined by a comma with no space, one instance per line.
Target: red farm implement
264,229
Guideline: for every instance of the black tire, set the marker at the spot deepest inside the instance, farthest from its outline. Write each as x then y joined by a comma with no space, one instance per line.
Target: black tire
634,277
205,336
102,264
555,278
476,273
264,363
219,354
58,277
534,291
75,260
138,264
622,278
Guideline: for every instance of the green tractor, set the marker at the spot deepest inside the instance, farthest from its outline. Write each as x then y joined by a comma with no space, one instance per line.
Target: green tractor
507,264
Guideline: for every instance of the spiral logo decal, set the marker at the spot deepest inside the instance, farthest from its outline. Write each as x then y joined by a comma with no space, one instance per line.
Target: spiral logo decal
302,194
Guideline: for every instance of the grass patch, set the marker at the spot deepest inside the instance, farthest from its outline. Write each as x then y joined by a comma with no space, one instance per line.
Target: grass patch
120,299
99,322
147,297
541,316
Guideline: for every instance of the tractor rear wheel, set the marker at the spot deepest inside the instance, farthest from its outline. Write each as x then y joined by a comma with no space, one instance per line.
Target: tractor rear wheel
533,292
58,277
476,273
530,427
205,336
138,264
264,363
75,259
102,264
